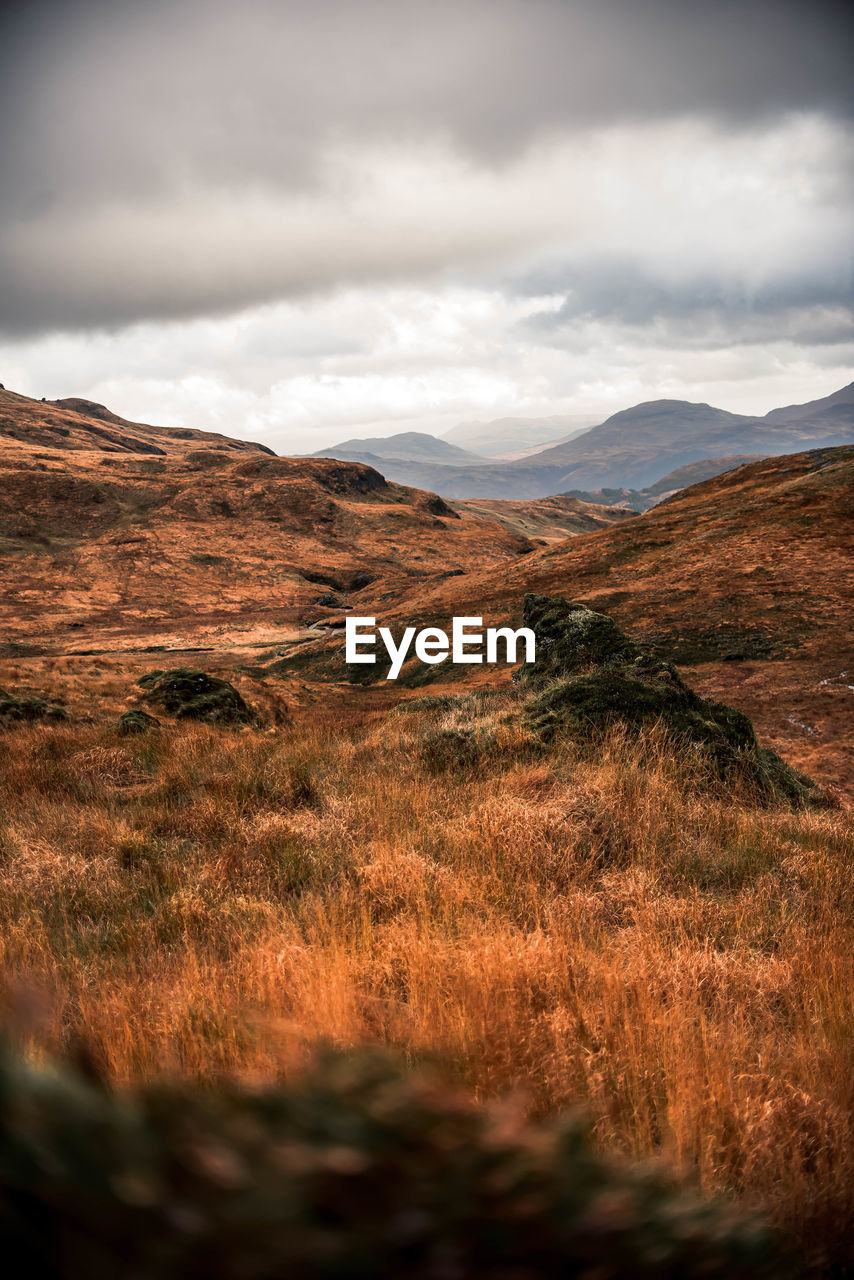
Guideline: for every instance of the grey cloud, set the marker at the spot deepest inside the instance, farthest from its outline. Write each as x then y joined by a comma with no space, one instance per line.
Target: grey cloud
815,308
128,97
175,103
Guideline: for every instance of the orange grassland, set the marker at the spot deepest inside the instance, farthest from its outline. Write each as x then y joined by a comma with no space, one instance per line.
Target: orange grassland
592,928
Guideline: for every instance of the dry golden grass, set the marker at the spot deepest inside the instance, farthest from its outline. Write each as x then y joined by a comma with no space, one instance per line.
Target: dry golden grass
593,928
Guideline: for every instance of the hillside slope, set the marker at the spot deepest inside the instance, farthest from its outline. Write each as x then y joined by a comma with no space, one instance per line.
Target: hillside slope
81,424
749,577
120,545
755,562
545,519
831,411
673,482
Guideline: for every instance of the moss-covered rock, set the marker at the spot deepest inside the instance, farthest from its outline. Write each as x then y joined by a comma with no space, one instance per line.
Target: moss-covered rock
569,638
638,696
136,721
189,694
589,676
14,710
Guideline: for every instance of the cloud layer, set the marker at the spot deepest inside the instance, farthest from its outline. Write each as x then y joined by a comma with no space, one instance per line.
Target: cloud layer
657,177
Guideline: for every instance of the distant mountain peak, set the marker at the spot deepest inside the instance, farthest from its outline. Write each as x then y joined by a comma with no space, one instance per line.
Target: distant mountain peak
404,446
514,435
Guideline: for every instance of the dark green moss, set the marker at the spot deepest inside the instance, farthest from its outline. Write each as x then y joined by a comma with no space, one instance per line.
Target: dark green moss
189,694
33,708
569,638
591,676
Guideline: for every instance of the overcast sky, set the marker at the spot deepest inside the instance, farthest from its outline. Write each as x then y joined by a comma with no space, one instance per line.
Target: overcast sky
300,220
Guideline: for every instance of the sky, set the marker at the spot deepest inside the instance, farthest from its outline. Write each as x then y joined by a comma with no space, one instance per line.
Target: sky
298,221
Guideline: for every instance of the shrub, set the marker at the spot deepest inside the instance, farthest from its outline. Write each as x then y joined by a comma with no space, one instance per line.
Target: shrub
354,1170
14,709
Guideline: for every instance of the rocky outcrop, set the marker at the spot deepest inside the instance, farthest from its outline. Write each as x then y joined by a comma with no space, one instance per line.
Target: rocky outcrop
570,638
588,675
188,694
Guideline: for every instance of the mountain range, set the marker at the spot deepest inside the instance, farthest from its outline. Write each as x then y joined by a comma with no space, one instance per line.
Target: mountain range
632,450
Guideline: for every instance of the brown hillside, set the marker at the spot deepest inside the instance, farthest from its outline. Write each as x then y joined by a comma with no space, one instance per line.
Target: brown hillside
545,519
82,424
107,549
749,577
750,564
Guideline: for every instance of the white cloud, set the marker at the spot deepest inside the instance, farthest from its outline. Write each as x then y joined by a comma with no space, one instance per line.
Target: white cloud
405,359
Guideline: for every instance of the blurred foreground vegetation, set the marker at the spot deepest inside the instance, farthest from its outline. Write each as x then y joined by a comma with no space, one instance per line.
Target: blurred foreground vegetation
356,1170
604,908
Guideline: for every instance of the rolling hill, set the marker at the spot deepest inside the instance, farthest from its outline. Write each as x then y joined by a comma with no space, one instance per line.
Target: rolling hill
117,534
545,519
110,549
681,478
748,577
75,424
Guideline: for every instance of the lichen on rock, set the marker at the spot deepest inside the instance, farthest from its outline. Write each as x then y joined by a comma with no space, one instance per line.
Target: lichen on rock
569,638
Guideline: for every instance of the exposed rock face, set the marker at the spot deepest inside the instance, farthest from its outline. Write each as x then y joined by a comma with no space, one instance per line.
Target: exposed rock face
438,507
13,709
189,694
590,675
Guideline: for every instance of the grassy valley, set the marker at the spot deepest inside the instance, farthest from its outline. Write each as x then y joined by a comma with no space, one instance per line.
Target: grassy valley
595,892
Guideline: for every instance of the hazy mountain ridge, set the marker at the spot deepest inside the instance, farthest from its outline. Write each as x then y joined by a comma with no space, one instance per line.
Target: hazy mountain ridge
637,447
503,436
409,446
